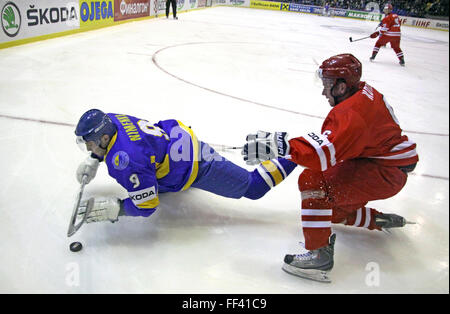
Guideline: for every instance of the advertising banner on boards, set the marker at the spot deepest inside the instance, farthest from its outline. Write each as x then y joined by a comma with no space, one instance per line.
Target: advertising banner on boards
131,9
267,5
96,13
21,19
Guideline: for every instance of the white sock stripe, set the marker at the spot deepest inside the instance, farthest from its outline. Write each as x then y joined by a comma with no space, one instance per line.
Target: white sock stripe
368,218
317,212
280,167
265,176
358,217
316,224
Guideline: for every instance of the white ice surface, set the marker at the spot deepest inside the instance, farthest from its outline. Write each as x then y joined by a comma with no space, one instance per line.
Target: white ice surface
198,242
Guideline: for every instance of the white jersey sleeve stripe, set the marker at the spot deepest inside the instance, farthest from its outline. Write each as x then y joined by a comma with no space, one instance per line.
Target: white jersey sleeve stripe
280,167
332,154
318,142
265,176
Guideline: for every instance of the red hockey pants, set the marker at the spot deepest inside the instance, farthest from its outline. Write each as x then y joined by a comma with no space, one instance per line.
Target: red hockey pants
339,195
395,44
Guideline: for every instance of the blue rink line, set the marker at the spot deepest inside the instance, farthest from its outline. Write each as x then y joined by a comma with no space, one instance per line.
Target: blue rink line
218,145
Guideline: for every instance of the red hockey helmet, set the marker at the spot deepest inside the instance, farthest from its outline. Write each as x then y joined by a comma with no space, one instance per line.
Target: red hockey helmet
344,66
388,7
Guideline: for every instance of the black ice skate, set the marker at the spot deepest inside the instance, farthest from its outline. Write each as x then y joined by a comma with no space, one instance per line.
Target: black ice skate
313,265
388,221
402,63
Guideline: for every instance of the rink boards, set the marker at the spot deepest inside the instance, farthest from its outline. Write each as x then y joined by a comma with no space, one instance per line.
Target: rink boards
27,21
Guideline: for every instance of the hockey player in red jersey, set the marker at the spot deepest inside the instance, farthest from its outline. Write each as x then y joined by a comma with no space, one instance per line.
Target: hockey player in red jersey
360,155
389,33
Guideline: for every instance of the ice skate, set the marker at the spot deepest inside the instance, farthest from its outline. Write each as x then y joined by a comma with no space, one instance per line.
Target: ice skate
402,63
374,55
388,221
314,265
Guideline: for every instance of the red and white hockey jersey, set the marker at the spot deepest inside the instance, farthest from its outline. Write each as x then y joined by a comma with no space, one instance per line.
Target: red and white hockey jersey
362,126
390,26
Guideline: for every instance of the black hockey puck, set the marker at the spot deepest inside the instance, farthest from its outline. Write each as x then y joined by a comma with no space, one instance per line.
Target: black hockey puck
76,246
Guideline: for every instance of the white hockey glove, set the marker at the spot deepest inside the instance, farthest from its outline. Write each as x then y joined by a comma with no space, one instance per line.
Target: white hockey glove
88,168
265,146
107,209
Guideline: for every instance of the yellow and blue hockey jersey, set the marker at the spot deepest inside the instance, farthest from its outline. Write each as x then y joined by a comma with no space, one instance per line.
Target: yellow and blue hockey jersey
148,159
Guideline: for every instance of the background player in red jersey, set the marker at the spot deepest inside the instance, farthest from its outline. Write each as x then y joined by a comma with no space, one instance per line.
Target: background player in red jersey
389,33
360,155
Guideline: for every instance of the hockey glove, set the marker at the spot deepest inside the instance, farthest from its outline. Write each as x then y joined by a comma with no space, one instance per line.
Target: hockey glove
375,35
87,168
107,209
265,146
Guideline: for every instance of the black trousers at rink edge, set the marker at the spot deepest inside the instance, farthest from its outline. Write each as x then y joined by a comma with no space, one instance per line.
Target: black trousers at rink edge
174,7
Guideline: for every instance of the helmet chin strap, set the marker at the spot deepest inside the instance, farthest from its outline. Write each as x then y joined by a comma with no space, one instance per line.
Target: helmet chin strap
337,99
103,146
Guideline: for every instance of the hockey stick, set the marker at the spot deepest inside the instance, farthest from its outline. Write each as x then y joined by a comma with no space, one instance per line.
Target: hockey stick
224,148
353,40
73,226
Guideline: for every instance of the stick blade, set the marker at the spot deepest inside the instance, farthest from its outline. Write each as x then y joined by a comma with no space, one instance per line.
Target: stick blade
351,39
75,223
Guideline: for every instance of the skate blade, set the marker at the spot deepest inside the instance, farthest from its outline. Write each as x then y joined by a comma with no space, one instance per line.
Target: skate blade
311,274
389,232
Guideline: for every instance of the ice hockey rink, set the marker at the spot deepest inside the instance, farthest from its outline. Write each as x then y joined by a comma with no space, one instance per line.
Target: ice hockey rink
226,72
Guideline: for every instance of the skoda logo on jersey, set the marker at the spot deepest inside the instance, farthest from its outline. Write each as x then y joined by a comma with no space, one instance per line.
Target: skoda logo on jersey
142,196
316,138
120,160
11,19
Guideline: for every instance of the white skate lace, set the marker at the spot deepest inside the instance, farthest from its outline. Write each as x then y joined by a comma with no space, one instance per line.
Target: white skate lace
304,256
